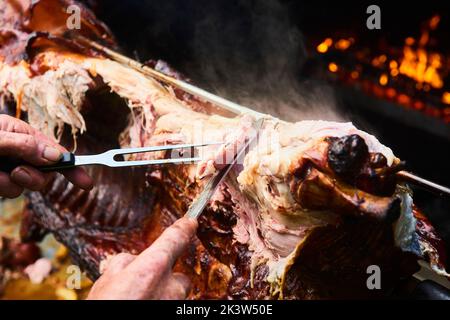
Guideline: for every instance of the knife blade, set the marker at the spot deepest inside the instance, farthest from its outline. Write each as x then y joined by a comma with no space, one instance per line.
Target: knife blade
197,207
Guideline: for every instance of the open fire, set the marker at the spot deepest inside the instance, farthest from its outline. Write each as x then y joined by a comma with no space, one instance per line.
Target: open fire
414,76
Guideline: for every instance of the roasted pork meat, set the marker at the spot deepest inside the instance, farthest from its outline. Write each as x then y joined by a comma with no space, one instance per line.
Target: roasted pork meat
309,209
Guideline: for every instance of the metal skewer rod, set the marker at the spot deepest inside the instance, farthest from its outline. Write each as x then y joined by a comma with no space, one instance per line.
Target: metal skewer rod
229,105
421,182
189,88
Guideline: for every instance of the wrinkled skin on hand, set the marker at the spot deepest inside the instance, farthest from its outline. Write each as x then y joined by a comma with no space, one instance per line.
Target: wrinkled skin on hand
19,142
148,275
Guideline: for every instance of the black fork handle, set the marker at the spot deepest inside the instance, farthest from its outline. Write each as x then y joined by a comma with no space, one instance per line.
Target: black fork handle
67,162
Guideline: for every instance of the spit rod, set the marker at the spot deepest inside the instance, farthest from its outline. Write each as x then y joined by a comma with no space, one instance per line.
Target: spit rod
423,183
189,88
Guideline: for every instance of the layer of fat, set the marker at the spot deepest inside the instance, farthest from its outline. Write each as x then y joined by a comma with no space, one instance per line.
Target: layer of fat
52,99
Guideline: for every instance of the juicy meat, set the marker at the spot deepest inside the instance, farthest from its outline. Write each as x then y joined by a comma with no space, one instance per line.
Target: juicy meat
311,200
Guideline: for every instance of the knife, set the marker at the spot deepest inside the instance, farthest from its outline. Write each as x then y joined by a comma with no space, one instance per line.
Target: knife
216,180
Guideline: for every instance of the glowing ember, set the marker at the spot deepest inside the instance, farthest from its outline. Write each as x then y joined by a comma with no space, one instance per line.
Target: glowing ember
344,44
333,67
394,72
383,79
410,41
446,98
323,47
379,61
434,22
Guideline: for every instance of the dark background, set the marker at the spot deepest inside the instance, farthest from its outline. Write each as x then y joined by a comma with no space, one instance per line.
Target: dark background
253,52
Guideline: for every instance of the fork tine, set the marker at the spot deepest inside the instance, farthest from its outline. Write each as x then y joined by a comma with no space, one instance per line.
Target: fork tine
116,152
118,164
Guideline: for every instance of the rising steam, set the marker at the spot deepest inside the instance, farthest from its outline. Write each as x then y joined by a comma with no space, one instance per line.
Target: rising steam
254,57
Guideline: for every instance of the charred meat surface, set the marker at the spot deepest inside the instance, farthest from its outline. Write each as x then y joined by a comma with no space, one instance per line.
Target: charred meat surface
346,155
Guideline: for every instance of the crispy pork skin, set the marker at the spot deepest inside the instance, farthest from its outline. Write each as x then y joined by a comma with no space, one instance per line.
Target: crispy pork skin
303,215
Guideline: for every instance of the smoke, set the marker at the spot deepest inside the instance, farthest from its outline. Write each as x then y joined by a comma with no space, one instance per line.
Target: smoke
251,52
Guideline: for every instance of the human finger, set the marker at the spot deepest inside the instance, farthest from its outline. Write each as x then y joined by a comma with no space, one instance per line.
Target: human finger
80,178
117,263
26,147
9,189
14,125
177,287
29,178
162,254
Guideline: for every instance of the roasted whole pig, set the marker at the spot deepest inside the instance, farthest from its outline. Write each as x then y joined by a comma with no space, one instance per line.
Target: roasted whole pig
309,209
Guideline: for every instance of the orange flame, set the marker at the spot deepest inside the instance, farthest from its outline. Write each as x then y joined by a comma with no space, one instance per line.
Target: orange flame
417,63
425,67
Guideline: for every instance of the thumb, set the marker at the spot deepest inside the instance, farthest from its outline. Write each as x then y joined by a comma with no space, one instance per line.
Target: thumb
28,148
163,253
177,287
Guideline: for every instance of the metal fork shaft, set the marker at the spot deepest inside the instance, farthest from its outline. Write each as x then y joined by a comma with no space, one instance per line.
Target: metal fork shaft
116,152
120,164
108,158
